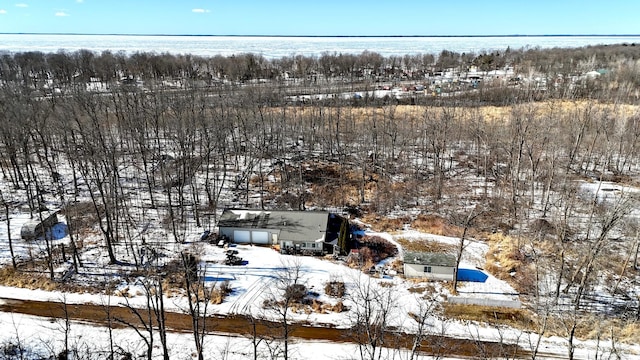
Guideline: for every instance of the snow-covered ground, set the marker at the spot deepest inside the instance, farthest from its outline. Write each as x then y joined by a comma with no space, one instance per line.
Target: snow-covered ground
254,282
45,338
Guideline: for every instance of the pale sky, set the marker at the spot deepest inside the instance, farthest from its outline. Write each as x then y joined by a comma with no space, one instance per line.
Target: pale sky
326,17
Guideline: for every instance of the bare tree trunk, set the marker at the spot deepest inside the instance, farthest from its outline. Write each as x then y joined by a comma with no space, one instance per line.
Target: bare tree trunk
474,213
8,216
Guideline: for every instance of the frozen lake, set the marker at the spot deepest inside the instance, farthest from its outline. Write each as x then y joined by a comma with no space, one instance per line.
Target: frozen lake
276,47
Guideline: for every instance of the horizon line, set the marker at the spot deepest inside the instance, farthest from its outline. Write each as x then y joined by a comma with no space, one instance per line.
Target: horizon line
323,36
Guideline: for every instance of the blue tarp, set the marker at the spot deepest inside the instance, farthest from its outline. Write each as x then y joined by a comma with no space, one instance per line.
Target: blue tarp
358,232
472,275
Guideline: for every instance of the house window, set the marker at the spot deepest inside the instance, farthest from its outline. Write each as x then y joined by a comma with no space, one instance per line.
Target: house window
427,269
313,245
304,244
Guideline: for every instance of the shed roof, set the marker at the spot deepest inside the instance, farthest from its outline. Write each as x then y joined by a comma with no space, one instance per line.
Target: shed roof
425,258
293,225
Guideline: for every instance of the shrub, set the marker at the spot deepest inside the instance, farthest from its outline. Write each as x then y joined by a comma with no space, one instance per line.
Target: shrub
26,280
339,307
335,288
375,248
218,294
296,292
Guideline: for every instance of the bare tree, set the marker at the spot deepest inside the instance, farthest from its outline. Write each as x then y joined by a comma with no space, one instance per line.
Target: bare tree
151,318
428,309
466,223
288,289
198,296
5,204
374,308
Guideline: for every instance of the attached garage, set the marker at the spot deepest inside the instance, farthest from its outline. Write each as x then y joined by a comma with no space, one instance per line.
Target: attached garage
242,236
249,236
294,231
260,237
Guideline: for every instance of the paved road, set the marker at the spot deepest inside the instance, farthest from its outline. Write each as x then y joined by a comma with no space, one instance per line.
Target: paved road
240,325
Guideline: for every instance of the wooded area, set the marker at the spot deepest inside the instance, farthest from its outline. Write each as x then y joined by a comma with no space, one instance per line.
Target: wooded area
505,162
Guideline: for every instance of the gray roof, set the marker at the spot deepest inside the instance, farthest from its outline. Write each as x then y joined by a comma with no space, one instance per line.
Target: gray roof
293,225
425,258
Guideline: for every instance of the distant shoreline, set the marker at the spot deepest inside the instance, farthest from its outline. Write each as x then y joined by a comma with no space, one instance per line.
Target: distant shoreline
340,36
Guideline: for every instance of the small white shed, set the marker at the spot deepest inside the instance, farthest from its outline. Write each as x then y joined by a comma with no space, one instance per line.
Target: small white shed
434,266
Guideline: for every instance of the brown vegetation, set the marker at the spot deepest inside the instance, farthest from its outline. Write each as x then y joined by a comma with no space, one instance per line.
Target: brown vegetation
517,318
335,289
425,245
434,224
506,261
220,292
27,280
385,224
371,250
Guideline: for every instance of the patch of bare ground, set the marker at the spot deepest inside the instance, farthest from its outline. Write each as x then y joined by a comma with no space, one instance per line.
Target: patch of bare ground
423,288
333,184
330,183
81,216
517,318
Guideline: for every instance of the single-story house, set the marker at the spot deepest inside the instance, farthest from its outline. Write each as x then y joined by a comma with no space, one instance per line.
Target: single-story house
39,226
305,232
435,266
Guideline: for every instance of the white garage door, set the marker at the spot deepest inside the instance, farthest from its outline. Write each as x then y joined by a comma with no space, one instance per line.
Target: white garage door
241,236
260,237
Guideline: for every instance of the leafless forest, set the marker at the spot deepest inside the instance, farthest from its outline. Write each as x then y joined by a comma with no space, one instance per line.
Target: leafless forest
541,164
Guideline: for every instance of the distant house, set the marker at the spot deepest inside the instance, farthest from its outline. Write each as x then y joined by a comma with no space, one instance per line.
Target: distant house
40,226
295,232
435,266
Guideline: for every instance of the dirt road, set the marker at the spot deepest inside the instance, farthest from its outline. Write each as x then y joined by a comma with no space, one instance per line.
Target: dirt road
240,325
